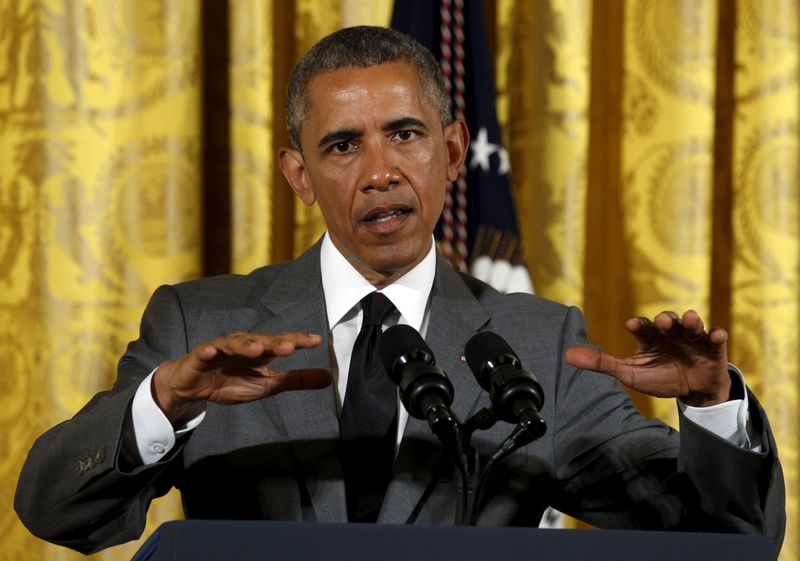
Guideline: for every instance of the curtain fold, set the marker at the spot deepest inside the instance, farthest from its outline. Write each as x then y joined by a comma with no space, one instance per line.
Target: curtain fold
543,82
254,129
654,154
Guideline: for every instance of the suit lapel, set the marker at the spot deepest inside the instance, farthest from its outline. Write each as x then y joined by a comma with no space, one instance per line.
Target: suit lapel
309,416
454,317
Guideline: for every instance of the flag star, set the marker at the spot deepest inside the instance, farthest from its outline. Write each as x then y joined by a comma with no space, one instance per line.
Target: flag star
505,165
481,150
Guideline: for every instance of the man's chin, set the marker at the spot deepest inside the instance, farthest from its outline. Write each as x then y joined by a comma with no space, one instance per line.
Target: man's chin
393,263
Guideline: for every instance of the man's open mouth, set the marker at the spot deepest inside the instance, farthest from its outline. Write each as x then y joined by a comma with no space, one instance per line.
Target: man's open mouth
385,216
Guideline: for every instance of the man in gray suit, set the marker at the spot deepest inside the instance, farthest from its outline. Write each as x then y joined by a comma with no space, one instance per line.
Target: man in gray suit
200,400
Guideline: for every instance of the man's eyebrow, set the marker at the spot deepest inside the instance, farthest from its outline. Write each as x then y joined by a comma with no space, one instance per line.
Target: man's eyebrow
404,123
338,136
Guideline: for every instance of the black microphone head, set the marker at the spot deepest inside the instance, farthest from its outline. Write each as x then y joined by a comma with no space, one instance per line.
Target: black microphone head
485,346
400,340
499,371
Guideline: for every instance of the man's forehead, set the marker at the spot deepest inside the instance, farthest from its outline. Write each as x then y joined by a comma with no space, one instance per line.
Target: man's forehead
378,77
393,91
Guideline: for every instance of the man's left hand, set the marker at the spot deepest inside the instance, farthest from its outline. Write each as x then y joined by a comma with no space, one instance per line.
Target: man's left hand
676,357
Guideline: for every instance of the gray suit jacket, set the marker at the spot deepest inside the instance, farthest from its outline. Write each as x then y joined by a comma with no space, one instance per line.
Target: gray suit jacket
277,458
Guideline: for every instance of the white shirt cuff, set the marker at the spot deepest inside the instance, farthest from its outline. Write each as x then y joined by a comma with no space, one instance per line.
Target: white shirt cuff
728,420
155,436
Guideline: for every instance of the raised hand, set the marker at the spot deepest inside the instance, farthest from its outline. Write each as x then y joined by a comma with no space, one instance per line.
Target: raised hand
676,357
233,369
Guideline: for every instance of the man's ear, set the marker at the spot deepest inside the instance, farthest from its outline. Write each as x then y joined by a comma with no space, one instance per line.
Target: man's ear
456,137
293,167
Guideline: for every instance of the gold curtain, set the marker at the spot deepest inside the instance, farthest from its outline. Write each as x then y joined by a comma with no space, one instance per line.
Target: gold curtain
99,203
654,148
653,144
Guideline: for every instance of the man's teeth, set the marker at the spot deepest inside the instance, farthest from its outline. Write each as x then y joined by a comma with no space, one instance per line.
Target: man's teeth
383,217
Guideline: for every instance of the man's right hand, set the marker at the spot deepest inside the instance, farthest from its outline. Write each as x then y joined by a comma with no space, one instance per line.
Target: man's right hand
232,369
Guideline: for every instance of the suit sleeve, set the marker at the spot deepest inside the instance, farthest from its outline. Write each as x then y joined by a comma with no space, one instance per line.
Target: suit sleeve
81,486
619,470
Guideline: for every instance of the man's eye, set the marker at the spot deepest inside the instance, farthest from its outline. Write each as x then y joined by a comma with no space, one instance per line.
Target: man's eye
341,147
406,135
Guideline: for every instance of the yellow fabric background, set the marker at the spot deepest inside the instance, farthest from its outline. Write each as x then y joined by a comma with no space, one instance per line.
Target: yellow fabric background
653,145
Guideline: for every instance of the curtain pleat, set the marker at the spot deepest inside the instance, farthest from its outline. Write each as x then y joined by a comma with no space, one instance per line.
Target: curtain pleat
542,77
254,129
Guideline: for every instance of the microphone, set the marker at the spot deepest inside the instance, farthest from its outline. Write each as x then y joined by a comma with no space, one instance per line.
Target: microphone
425,390
516,394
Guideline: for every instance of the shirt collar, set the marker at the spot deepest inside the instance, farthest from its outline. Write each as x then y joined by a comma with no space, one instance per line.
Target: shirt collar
344,287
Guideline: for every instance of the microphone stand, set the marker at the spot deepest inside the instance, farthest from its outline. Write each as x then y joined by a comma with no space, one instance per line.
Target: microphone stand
471,460
530,427
468,461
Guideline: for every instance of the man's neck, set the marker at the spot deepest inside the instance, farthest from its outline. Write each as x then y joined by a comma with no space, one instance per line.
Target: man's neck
344,285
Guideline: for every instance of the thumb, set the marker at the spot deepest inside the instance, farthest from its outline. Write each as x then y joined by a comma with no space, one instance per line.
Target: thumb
587,358
303,379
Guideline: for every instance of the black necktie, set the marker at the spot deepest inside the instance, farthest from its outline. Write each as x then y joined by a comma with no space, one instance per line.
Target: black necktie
368,424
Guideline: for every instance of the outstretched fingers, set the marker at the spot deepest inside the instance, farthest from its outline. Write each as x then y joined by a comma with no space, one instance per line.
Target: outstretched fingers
668,325
676,357
665,324
251,349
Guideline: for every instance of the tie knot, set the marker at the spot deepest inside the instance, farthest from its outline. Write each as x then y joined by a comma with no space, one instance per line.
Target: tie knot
376,307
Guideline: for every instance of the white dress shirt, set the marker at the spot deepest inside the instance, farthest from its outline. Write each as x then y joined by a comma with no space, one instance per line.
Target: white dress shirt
343,288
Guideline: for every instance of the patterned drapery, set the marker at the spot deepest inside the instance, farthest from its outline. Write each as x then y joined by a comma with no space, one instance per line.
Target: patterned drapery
654,149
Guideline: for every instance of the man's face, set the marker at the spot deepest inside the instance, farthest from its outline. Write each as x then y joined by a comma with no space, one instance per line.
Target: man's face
377,160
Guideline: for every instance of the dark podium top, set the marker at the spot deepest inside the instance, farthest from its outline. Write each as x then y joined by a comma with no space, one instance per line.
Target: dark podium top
291,541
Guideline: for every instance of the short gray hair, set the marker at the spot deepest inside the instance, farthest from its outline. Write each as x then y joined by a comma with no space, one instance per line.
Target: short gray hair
361,47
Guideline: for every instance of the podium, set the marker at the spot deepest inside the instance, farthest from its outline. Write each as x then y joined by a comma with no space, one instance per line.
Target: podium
208,540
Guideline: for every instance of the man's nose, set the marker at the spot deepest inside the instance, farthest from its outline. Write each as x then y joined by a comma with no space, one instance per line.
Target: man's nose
381,170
